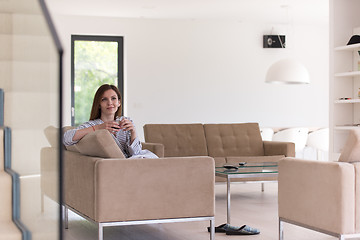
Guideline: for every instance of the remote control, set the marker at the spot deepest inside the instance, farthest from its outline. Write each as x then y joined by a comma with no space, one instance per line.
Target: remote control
230,166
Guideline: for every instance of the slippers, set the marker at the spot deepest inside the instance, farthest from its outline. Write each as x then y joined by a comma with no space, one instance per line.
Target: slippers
233,230
220,228
244,230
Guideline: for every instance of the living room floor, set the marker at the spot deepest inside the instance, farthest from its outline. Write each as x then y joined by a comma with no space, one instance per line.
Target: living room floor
248,206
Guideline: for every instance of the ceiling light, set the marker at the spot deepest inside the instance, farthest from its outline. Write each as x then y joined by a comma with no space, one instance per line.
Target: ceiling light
287,71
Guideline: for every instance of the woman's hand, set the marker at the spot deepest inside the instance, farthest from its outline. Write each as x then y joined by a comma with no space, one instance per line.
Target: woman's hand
127,125
112,126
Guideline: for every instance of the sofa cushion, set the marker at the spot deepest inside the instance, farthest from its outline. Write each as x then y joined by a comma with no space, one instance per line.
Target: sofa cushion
242,139
254,159
99,144
179,140
351,150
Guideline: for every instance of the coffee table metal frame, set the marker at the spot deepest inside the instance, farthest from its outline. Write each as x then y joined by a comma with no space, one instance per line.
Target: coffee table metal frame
233,174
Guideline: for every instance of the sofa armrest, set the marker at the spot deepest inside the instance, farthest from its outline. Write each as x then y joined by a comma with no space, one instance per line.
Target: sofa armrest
279,148
79,182
49,171
140,189
157,148
317,194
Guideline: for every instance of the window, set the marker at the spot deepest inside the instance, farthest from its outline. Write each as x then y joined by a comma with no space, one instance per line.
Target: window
95,60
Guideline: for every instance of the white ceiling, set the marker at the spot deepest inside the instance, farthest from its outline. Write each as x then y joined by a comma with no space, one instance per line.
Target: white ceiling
272,11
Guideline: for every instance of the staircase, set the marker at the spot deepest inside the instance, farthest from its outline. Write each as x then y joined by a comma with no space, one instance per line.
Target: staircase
30,71
8,230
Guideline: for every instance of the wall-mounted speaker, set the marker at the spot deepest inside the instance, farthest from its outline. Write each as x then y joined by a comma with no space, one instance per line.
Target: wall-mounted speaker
274,41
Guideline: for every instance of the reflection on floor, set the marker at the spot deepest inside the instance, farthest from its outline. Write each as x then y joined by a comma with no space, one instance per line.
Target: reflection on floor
249,206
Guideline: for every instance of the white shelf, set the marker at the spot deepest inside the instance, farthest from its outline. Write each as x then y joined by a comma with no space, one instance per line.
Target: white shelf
348,74
346,128
351,47
348,101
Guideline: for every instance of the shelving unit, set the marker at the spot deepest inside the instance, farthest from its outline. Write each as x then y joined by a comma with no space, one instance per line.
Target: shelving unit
344,73
345,128
348,74
348,47
348,101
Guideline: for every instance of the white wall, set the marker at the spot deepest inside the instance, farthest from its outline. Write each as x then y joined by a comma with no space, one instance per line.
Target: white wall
183,71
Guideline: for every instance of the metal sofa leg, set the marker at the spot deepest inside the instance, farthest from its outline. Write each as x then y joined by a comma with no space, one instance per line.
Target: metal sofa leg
66,217
212,229
42,201
281,230
100,232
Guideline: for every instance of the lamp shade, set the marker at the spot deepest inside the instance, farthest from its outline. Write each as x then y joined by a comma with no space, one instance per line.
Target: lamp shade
287,71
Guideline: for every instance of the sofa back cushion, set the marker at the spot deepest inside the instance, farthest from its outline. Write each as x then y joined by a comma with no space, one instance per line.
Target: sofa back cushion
241,139
99,144
52,135
179,140
351,150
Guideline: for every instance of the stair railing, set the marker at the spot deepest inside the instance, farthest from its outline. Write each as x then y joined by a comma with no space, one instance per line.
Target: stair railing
26,234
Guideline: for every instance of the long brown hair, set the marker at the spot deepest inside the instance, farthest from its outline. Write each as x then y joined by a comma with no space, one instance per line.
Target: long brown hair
95,109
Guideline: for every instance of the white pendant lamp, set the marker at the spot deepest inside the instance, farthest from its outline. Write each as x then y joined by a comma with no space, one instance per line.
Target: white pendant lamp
287,71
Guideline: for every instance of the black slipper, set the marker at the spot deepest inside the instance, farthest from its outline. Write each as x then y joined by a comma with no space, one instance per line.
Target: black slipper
244,230
220,228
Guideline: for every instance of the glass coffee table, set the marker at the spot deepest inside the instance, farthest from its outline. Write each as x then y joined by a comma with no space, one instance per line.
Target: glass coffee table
246,170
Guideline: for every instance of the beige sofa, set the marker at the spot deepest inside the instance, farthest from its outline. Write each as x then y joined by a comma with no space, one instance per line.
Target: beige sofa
110,190
322,196
226,143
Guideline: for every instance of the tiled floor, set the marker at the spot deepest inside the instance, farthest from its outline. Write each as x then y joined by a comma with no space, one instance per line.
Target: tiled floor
249,206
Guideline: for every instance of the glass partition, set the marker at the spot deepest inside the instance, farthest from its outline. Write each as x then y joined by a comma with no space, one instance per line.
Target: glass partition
30,74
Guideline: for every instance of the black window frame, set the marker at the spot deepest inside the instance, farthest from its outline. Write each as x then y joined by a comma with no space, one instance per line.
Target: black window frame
100,38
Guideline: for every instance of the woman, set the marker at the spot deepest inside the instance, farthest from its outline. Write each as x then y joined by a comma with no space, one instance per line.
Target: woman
106,114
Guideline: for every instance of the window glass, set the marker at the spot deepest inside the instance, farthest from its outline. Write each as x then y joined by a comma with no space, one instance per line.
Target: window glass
95,63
